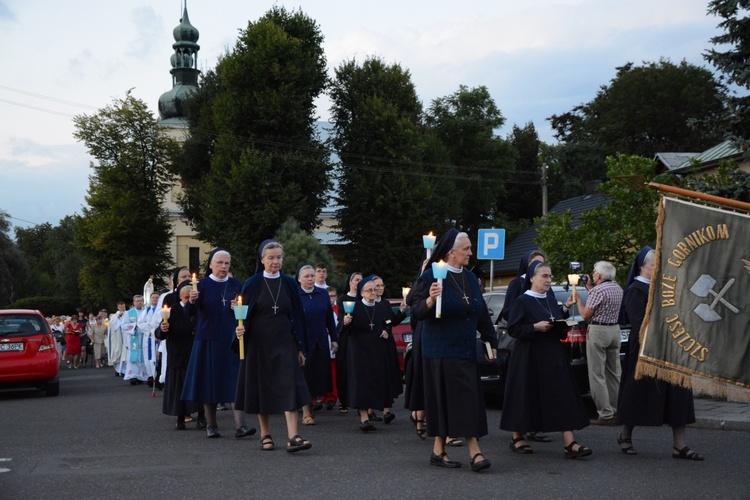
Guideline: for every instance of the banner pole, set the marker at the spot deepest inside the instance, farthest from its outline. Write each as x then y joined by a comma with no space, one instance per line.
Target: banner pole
700,196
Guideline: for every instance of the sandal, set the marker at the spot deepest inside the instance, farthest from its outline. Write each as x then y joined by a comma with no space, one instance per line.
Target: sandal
454,441
687,454
581,452
539,437
308,420
298,444
628,450
343,409
422,433
266,443
523,449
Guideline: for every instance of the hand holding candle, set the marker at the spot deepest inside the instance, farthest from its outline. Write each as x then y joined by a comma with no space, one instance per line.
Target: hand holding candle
428,240
165,314
195,283
405,291
348,307
440,272
573,280
240,313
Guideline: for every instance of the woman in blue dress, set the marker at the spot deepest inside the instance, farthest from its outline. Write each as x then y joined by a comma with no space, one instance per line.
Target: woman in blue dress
212,372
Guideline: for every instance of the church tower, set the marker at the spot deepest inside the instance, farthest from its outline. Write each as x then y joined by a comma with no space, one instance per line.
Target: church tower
184,72
186,249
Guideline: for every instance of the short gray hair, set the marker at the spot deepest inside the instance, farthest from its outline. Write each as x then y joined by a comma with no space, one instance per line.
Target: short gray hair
606,270
649,258
270,246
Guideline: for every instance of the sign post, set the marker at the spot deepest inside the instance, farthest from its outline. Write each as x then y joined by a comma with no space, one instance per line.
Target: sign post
491,246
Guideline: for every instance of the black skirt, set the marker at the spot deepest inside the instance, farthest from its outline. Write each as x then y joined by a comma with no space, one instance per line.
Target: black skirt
174,379
414,395
318,372
454,403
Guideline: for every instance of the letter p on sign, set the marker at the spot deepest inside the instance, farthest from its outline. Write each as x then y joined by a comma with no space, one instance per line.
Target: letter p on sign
491,244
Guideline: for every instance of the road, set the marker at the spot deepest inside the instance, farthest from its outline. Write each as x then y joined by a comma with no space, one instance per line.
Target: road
102,438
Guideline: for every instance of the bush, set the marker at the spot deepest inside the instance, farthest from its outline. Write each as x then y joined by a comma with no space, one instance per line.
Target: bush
49,306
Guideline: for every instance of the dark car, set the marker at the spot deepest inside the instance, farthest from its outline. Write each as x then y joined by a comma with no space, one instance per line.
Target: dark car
28,354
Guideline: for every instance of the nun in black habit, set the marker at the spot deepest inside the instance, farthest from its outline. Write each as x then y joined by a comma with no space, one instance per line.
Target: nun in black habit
367,358
342,382
540,391
453,395
271,379
649,401
177,331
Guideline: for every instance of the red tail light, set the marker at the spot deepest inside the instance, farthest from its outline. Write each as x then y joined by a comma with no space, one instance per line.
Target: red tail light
576,335
48,342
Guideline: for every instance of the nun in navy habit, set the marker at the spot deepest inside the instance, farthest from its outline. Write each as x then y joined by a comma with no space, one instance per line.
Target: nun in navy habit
454,403
649,401
271,381
212,372
540,390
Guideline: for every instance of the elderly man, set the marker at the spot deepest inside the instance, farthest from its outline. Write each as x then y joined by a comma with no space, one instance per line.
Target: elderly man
603,343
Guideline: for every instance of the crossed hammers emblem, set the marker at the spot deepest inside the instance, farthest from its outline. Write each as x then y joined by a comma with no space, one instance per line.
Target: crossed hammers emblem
704,287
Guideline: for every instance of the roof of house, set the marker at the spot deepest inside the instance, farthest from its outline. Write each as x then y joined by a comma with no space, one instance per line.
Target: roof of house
674,160
710,157
525,242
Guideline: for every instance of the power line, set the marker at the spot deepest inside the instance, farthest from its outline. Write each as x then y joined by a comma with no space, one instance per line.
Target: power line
54,99
36,108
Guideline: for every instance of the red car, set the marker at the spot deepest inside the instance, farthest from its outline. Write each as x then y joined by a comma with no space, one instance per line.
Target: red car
401,332
28,354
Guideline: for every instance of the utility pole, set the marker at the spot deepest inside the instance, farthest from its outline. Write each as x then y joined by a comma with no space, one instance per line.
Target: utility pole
544,189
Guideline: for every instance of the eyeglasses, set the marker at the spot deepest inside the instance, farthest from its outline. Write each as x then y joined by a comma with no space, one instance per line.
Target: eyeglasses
368,290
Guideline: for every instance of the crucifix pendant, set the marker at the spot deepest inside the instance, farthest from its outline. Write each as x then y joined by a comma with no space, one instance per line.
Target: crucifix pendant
371,326
466,298
223,301
275,307
552,319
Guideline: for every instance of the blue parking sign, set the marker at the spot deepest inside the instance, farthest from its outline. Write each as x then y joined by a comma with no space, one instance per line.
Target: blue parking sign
491,244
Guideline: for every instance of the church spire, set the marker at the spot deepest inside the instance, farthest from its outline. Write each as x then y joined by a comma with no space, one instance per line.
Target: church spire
184,69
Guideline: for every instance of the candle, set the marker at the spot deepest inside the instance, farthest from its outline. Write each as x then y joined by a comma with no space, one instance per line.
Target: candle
440,272
240,313
573,280
428,240
405,291
165,313
195,282
348,307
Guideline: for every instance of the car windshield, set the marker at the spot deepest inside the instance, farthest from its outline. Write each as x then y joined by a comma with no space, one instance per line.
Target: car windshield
20,326
397,308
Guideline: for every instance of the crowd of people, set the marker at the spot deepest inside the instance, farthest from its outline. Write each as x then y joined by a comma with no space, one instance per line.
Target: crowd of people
301,347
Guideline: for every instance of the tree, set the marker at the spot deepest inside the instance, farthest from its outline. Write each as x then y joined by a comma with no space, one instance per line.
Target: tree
14,269
527,175
253,157
733,62
124,232
612,232
644,109
302,247
482,162
729,182
386,195
54,261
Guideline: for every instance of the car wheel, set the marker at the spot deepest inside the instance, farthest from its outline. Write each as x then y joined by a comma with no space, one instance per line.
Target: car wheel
53,388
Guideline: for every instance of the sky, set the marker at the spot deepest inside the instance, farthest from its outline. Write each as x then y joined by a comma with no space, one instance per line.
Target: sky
537,58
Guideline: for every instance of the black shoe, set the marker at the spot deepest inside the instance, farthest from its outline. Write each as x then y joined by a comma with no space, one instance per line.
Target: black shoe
480,465
329,406
318,406
212,432
180,425
439,461
244,431
374,417
388,417
200,422
366,426
133,381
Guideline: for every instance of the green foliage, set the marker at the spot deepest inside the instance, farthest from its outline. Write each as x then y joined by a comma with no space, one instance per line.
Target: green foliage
614,232
464,122
124,232
728,182
300,246
253,158
387,198
733,62
644,109
526,180
49,306
14,269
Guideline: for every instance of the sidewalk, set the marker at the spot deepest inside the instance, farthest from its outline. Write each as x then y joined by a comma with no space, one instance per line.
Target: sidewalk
721,414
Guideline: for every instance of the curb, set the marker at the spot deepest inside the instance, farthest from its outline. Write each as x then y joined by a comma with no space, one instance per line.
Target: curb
721,424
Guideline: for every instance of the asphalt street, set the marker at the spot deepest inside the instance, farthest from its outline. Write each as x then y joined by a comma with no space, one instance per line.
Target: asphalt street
102,438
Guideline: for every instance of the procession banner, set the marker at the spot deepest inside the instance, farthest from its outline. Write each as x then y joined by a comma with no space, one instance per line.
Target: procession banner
697,321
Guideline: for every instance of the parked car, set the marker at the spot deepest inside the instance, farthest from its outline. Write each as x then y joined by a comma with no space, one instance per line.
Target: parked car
28,354
402,332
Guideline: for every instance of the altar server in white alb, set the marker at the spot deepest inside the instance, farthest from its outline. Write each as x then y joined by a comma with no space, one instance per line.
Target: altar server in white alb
135,368
147,323
116,350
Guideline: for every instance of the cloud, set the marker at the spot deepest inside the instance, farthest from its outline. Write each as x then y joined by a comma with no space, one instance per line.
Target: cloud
150,32
5,12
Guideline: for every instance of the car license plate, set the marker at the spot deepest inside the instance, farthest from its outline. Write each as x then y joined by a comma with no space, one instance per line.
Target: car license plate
407,337
624,335
13,346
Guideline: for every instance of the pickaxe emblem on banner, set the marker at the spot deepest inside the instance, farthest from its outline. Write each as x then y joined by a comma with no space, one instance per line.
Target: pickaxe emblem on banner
704,287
